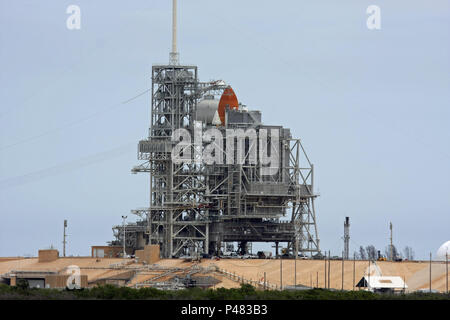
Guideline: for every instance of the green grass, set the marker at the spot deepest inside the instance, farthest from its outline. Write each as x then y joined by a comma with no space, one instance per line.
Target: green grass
245,292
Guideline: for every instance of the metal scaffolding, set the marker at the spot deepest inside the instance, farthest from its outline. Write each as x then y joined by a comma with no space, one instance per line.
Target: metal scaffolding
195,206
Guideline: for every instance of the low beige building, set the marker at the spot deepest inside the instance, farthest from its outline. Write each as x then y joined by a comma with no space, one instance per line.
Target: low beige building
48,255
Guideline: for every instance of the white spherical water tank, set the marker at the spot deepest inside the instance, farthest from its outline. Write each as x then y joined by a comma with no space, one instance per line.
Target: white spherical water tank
206,109
444,249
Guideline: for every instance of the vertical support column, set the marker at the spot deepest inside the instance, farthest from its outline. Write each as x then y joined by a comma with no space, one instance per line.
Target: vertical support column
305,216
206,242
173,104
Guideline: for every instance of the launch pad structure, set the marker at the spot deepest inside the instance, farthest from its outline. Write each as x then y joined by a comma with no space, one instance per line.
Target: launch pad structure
196,206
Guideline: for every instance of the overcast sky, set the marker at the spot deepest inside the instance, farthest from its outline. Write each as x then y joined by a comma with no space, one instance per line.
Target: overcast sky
372,108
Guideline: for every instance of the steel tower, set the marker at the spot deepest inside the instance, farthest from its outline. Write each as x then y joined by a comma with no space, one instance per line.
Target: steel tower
194,206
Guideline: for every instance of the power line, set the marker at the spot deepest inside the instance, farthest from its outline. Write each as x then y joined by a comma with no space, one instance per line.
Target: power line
65,167
137,96
72,123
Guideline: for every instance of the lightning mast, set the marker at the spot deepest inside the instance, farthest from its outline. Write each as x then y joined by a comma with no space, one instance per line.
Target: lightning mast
174,56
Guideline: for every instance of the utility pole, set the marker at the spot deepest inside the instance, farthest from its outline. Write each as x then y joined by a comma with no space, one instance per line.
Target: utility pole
329,267
295,262
325,272
342,288
64,238
295,272
354,258
345,255
390,247
124,237
446,267
281,273
430,272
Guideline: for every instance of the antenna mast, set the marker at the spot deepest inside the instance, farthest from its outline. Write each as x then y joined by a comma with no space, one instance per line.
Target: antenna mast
64,238
174,56
346,238
391,247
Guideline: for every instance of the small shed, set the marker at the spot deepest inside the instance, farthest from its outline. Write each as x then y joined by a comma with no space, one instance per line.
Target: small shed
106,251
383,284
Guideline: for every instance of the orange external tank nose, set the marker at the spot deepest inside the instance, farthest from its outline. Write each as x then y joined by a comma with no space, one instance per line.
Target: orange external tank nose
228,99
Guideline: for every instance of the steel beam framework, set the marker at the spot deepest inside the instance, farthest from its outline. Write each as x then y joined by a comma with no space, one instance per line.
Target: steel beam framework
195,207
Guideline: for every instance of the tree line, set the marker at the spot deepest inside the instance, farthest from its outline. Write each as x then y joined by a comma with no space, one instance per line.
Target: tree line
371,253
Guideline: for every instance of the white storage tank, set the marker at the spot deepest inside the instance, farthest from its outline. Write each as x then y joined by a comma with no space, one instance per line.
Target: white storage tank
206,108
444,249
